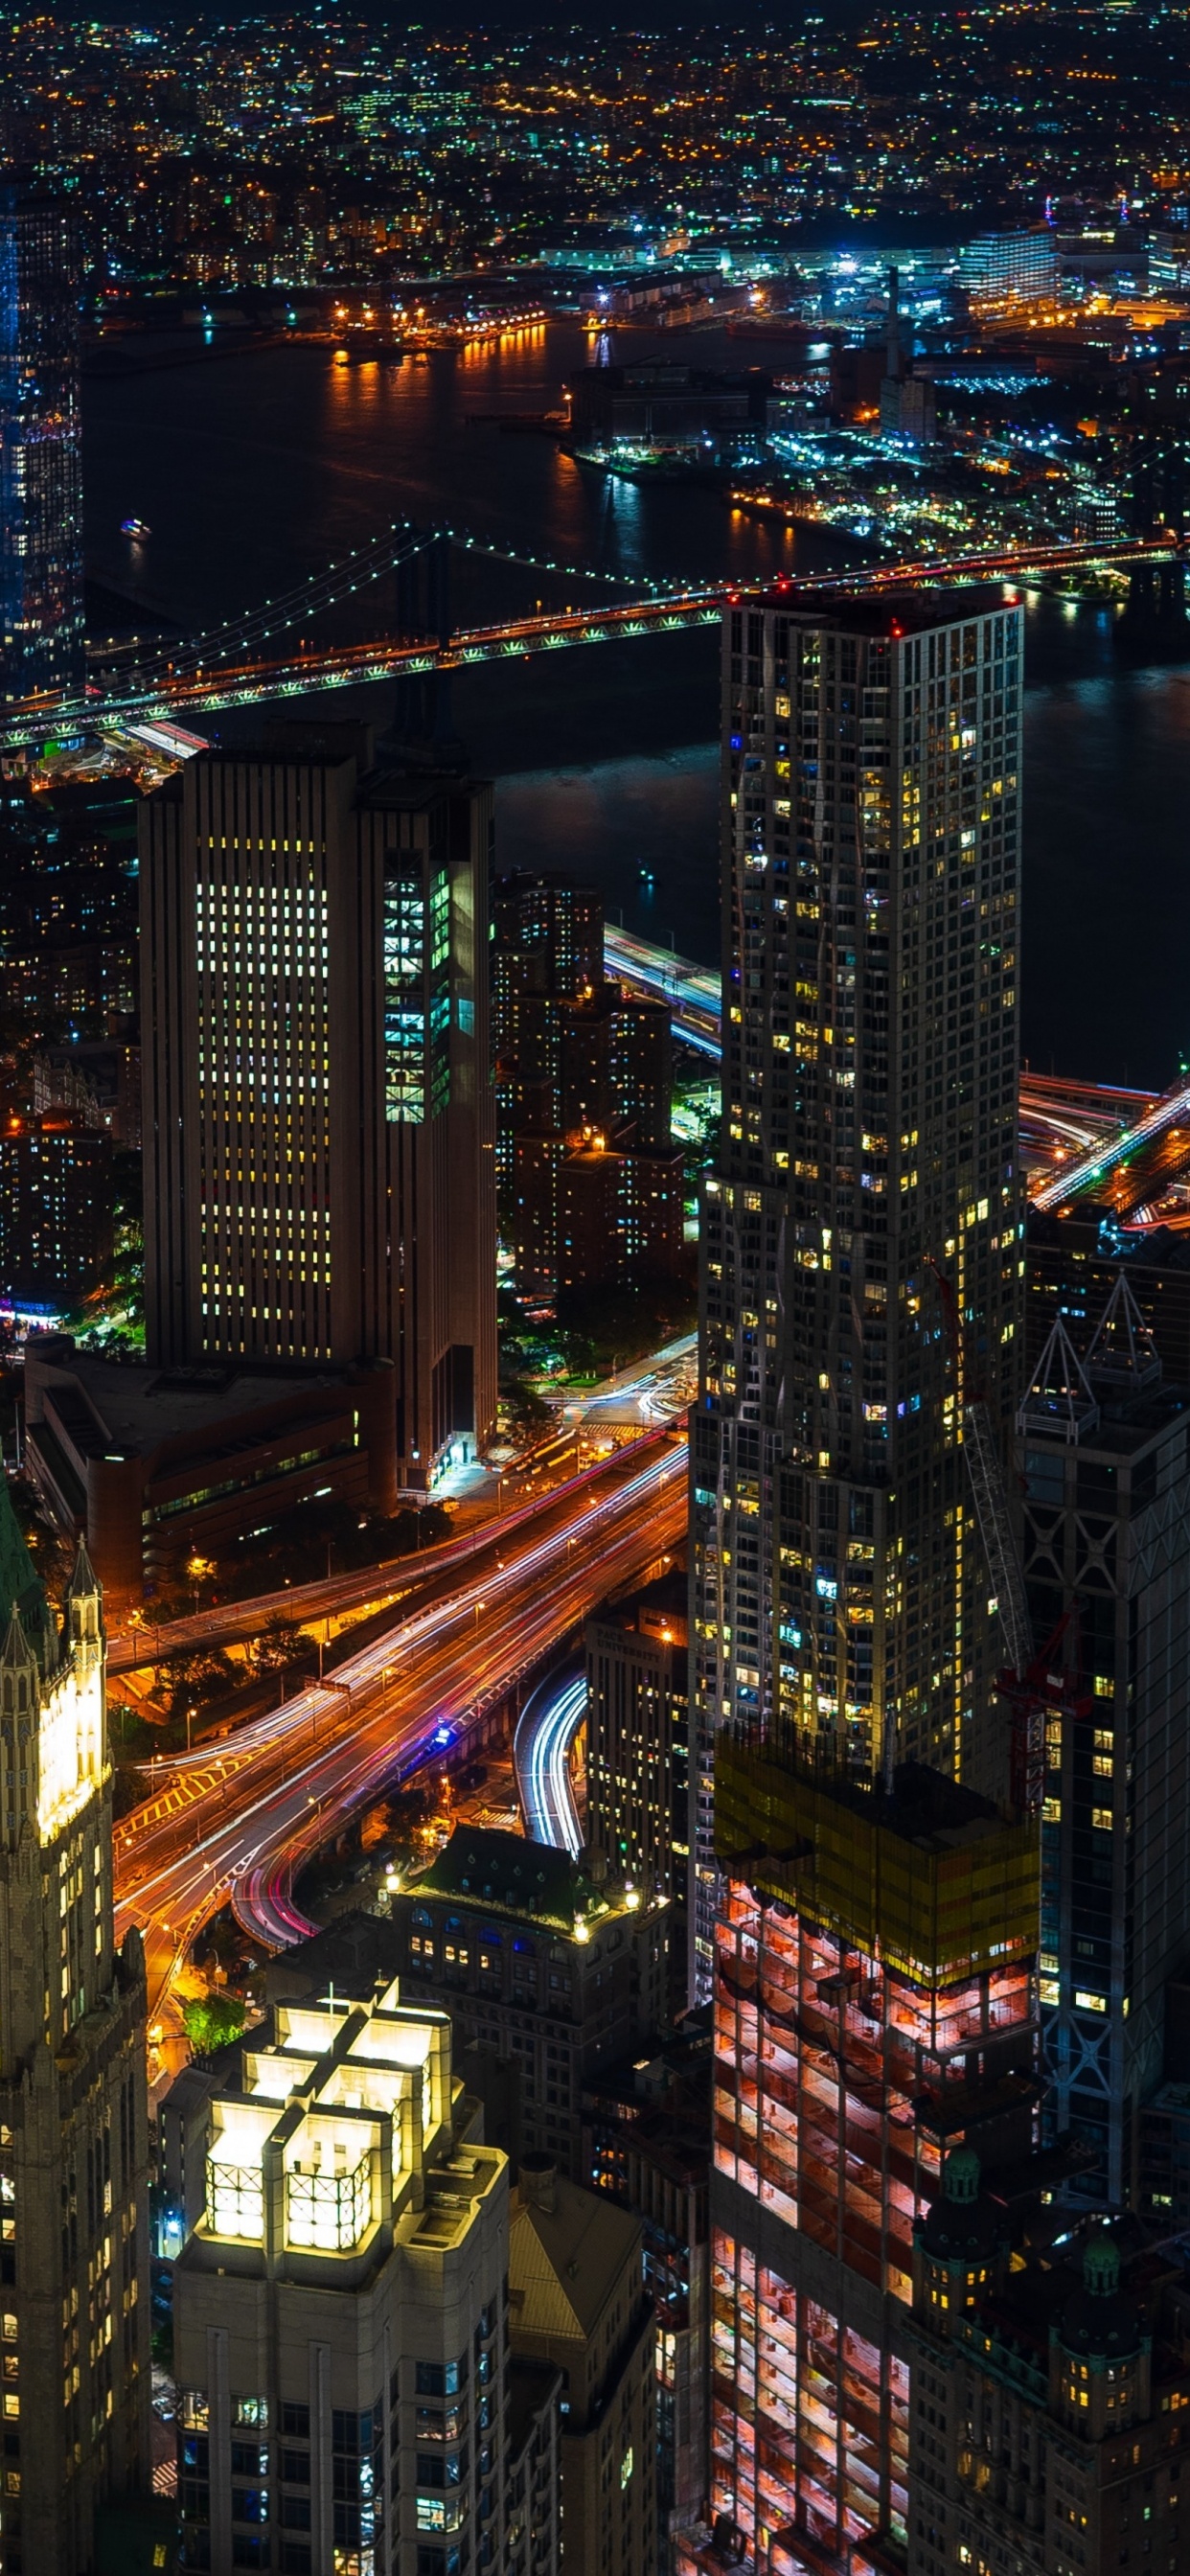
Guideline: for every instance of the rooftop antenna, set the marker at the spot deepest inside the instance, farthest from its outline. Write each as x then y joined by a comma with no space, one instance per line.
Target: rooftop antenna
1123,1352
1058,1398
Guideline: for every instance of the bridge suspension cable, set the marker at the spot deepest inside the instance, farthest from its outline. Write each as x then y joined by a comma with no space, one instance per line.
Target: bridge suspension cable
197,675
399,544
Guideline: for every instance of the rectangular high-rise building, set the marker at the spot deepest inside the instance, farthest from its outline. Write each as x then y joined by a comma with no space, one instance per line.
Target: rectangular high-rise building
1010,268
1107,1561
547,948
638,1795
318,1113
871,849
875,2005
74,2250
56,1213
41,432
341,2327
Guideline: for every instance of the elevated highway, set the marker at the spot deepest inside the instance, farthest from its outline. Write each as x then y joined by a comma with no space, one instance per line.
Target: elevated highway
237,1826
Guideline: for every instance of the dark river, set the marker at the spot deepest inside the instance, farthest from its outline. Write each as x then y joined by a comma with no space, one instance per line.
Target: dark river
253,470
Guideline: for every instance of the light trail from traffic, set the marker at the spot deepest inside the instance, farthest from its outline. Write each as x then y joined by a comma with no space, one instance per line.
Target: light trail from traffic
1088,1169
545,1732
661,1386
692,992
238,1826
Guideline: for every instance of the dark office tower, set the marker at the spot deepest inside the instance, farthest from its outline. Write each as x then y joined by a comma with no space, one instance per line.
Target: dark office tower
638,1793
74,2307
41,492
319,1164
1103,1451
596,1186
547,945
871,846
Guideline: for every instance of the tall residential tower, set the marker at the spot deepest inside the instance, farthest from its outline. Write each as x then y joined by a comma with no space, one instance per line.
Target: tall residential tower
871,843
874,1914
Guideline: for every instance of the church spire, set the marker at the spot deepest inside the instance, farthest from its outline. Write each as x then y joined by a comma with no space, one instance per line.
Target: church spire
84,1600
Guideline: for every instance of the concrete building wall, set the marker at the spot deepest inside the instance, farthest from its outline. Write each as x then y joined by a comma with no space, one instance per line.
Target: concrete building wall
319,1107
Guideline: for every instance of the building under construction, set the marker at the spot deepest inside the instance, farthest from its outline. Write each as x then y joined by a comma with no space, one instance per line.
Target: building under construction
875,2006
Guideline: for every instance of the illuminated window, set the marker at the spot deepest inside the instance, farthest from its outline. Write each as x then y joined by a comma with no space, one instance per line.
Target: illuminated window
251,2411
329,2211
235,2201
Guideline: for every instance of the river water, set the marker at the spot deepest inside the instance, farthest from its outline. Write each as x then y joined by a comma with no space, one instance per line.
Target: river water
252,470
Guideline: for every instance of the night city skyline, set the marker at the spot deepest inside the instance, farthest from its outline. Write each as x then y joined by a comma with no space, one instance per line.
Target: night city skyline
594,1294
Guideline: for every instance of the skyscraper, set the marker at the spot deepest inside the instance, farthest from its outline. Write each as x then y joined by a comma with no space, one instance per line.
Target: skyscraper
638,1794
1107,1555
341,2308
74,2309
1050,2390
547,948
319,1133
594,1189
876,1915
875,2003
871,843
56,1212
41,495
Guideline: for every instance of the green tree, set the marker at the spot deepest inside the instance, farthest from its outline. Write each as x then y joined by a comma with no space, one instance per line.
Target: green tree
211,2020
282,1644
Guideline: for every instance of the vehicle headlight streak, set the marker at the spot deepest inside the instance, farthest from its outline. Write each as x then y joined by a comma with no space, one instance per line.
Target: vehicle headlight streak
542,1757
530,1602
1104,1158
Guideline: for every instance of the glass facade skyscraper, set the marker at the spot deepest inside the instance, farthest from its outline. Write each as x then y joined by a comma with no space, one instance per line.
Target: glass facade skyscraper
41,484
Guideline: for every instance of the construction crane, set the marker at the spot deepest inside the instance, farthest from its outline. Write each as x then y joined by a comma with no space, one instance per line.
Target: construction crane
1034,1683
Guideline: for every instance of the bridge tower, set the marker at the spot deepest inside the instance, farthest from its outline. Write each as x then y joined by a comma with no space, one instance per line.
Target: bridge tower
420,730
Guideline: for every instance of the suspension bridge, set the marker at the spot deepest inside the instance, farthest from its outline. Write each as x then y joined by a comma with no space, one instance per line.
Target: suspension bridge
268,654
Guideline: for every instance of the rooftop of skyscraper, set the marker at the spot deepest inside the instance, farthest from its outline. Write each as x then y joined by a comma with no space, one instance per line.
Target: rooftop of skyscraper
892,613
